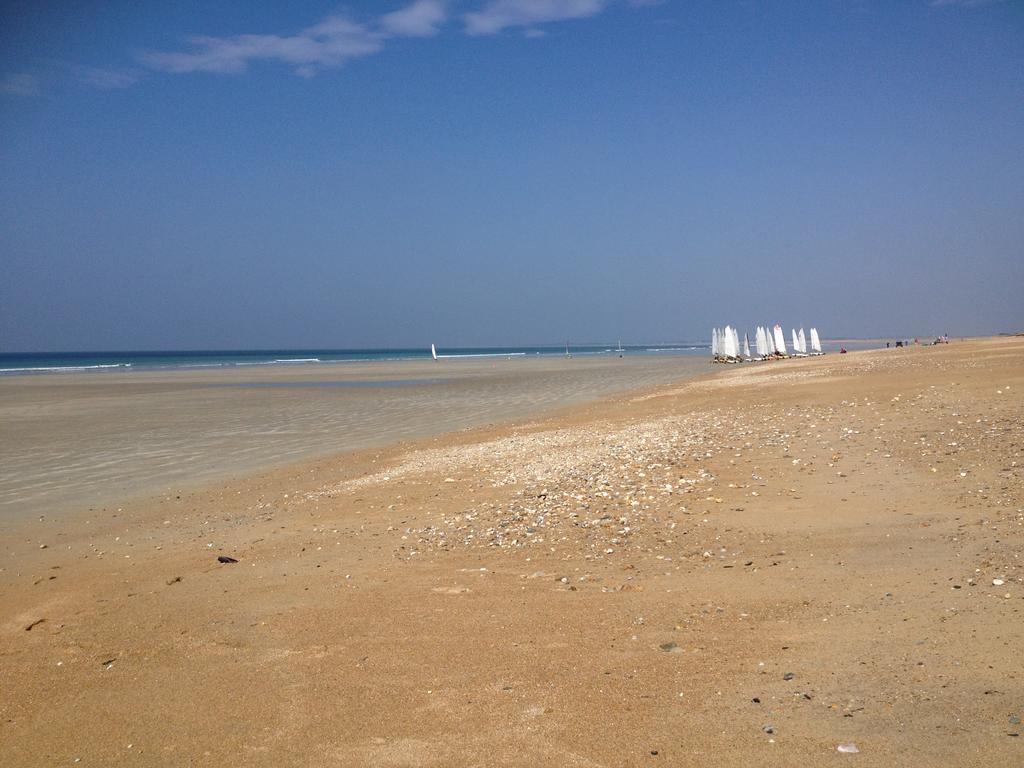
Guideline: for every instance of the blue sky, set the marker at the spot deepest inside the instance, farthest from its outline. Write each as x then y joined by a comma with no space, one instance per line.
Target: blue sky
506,171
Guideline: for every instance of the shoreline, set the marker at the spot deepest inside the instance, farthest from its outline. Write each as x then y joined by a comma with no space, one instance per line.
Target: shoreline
753,565
77,441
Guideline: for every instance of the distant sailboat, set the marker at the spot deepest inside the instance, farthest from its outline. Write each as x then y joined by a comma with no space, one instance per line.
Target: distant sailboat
780,340
799,345
732,345
433,351
815,342
746,346
761,343
620,350
725,345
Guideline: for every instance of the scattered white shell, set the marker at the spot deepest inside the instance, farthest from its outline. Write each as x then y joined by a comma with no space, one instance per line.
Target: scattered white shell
850,749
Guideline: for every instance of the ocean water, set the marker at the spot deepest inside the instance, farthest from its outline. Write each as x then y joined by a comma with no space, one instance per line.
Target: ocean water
72,440
20,363
77,362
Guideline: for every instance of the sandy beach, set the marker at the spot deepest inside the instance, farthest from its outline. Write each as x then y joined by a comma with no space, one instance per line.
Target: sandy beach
750,567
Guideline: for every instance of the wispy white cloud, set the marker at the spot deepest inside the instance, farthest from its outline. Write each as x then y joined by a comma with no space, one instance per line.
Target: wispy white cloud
498,15
327,45
340,38
330,43
107,79
421,19
20,84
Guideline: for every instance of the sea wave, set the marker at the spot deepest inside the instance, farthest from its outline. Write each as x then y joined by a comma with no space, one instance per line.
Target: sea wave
675,349
485,354
63,368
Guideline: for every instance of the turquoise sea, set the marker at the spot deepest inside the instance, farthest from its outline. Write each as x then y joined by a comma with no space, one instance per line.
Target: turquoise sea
19,363
67,362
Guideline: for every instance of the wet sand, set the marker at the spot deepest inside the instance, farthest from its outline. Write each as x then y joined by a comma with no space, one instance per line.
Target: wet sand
73,441
748,568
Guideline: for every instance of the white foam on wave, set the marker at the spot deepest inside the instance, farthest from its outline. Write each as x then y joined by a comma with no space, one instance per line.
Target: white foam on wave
486,354
64,368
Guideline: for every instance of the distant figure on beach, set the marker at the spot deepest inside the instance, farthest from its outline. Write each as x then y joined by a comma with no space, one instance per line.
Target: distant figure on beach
842,350
887,345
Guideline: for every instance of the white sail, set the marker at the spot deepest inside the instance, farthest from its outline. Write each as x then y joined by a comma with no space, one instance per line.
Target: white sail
803,342
726,341
714,343
433,351
796,341
762,342
746,346
815,341
780,340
